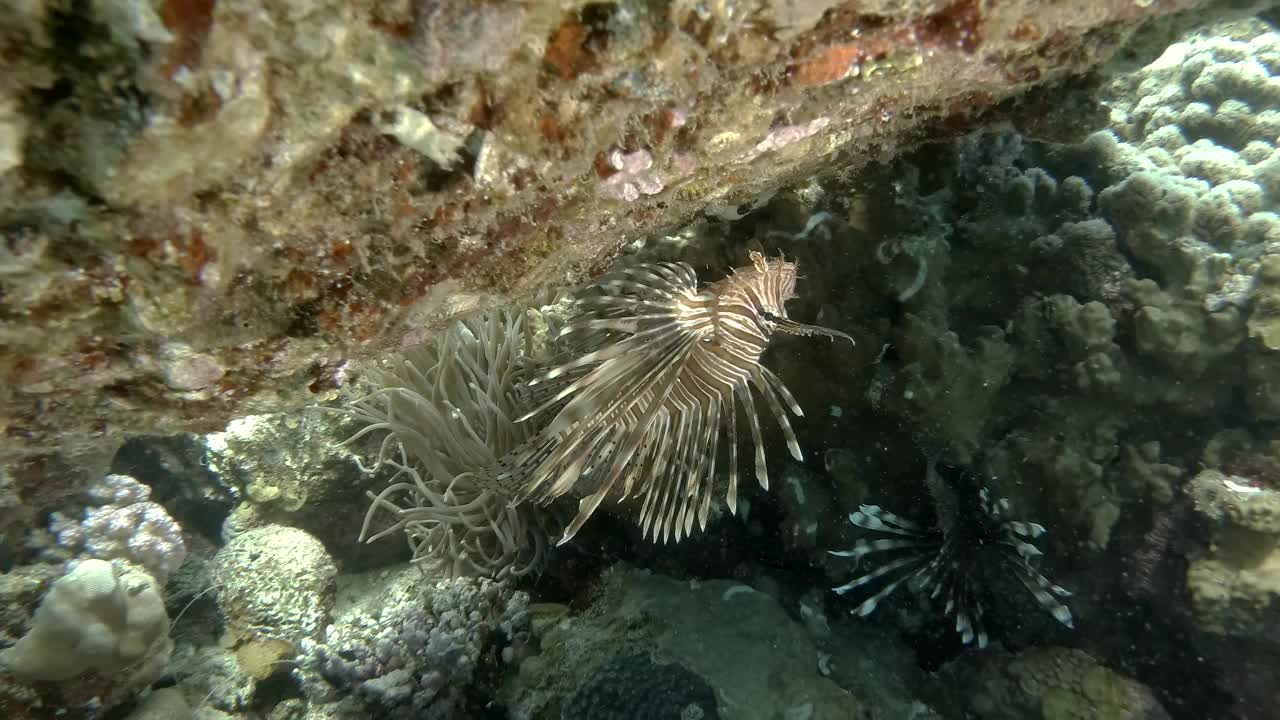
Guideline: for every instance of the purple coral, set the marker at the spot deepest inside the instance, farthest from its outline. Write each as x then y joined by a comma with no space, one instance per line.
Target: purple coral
123,524
634,176
403,657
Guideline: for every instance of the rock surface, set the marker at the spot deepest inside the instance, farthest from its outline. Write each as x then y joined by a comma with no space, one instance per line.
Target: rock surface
208,208
1056,684
758,660
274,582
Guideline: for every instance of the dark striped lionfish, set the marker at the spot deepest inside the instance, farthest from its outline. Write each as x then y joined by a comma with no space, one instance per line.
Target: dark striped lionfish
973,535
652,392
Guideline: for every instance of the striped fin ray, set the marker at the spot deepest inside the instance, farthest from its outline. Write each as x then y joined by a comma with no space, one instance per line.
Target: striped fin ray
873,517
771,397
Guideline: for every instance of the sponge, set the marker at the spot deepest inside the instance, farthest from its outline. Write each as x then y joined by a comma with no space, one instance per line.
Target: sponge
98,616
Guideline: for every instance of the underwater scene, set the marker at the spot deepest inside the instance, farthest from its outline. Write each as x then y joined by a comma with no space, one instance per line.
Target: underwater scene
639,360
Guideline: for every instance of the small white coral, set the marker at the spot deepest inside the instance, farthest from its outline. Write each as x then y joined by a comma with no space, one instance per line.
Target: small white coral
97,616
415,130
119,490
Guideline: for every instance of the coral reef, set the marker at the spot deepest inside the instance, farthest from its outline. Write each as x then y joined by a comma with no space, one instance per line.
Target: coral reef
1055,684
1123,275
1089,325
1084,318
1195,138
287,470
83,620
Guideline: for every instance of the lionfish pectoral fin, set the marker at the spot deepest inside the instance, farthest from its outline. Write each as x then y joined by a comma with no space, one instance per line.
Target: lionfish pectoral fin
791,327
569,476
586,507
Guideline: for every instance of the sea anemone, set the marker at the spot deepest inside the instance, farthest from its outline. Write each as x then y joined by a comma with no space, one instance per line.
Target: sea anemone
651,391
973,536
449,410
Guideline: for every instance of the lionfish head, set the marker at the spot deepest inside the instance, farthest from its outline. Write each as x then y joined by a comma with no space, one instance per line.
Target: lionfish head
763,290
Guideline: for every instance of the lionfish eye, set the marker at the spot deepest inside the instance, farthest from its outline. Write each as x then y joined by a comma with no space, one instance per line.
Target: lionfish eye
768,316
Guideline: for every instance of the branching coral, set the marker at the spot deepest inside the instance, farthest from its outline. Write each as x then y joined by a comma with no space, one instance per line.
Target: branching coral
402,651
449,411
973,535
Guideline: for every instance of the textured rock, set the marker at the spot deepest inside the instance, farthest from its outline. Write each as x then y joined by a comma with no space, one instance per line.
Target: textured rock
634,687
162,704
1235,588
211,678
1056,684
774,669
1234,585
290,469
274,583
209,208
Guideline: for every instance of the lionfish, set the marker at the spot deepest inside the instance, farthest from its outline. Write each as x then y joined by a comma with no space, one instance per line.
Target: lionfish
974,535
653,390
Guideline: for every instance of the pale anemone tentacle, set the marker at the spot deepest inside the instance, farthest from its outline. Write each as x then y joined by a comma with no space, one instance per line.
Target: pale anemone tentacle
448,410
644,410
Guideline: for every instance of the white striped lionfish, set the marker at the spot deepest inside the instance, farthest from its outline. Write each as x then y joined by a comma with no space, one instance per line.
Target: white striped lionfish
666,367
973,535
642,406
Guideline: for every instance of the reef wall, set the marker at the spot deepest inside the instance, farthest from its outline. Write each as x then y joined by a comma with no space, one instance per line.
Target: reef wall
209,206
